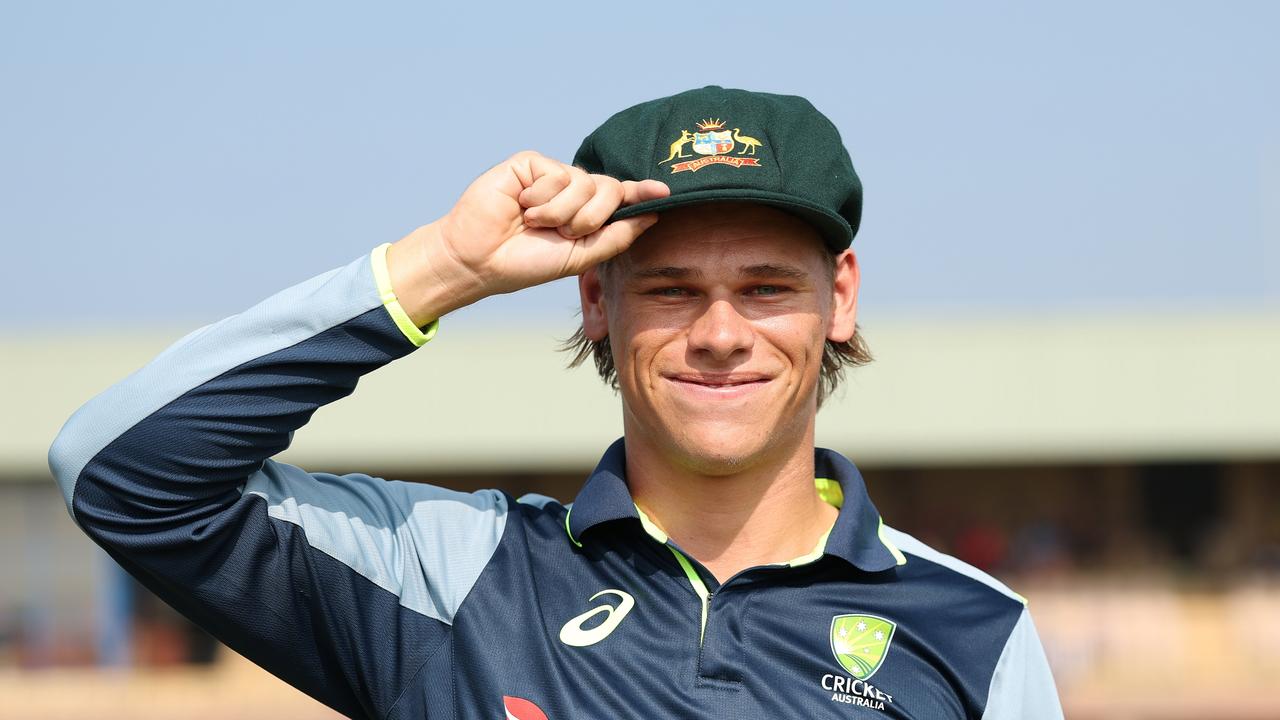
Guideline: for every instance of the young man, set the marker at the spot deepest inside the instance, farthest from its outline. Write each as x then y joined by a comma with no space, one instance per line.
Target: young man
715,564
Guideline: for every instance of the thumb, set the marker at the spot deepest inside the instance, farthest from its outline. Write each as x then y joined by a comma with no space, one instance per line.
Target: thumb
611,240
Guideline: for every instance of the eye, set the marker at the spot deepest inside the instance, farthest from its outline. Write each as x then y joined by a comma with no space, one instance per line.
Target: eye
767,290
669,292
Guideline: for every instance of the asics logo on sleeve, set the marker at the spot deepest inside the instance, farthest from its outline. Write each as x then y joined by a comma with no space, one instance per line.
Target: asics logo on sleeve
572,633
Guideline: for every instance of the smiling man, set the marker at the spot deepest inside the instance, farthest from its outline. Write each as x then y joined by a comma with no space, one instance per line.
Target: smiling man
715,563
717,323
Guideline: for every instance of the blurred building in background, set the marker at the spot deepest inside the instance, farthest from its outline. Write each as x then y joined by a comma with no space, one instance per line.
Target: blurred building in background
1121,471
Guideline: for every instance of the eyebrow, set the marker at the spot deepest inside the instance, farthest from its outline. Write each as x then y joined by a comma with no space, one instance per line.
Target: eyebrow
762,270
670,272
771,270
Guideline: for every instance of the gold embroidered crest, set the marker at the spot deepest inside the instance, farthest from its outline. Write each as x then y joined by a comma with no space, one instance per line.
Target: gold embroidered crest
716,145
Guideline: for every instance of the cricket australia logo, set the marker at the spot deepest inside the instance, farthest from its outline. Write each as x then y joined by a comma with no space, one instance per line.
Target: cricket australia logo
859,644
716,144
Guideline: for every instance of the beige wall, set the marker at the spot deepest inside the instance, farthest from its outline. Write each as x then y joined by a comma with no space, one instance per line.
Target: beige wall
1027,389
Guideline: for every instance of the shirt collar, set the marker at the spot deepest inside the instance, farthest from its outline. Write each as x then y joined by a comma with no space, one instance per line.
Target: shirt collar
856,536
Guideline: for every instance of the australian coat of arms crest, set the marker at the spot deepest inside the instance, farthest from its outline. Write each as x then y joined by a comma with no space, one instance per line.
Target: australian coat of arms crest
713,144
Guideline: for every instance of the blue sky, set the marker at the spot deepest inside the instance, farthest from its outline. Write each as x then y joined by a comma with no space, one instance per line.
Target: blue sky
170,163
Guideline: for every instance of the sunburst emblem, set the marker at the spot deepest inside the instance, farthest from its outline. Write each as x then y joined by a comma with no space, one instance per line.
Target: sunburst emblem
860,643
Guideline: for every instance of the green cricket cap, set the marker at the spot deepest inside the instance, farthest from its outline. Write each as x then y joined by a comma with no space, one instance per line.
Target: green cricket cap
721,144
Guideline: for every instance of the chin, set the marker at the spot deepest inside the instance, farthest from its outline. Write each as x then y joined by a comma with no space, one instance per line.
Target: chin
720,448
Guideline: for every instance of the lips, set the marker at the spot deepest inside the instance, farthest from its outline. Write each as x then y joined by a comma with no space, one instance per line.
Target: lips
704,387
719,381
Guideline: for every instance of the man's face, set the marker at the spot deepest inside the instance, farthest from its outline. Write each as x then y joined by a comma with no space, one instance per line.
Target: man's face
717,318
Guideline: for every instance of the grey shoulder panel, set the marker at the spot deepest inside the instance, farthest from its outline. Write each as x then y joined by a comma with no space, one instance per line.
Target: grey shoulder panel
273,324
911,546
425,544
536,500
1022,686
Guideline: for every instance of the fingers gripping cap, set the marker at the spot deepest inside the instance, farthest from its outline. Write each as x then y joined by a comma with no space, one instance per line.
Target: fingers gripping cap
718,144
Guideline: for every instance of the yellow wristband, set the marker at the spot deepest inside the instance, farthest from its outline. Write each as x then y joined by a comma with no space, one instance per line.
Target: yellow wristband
416,335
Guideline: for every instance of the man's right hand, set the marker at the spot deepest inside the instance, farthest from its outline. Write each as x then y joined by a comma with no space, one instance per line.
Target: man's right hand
526,221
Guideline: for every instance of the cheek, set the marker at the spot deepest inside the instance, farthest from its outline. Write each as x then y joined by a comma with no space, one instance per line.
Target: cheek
651,350
638,337
634,350
801,337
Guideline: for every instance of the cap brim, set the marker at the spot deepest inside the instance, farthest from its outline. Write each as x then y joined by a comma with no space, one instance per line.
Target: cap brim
834,229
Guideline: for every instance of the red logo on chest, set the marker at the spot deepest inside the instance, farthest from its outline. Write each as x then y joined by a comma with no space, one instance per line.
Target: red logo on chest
521,709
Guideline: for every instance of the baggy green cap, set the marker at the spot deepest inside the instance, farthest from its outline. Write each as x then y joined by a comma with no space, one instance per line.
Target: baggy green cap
718,144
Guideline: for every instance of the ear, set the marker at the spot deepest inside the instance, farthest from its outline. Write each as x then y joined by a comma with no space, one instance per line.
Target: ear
844,295
595,322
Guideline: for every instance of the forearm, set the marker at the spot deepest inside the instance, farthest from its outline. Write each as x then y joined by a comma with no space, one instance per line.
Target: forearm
206,413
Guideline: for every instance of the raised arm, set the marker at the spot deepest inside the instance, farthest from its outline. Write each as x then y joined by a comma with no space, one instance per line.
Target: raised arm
340,585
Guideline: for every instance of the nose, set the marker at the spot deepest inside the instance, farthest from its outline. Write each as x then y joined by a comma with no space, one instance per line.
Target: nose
721,331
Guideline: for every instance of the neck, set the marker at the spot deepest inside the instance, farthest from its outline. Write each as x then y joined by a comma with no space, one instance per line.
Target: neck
767,513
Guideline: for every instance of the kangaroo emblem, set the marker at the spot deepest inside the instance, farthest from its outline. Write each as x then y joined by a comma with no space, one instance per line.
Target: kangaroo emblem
748,143
677,147
713,144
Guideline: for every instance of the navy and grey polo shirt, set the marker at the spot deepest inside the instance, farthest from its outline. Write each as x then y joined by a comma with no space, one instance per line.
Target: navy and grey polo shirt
390,600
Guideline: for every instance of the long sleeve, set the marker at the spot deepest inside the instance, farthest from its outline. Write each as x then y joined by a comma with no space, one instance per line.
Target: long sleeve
342,586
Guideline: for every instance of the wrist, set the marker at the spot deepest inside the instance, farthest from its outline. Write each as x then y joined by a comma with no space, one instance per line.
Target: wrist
427,281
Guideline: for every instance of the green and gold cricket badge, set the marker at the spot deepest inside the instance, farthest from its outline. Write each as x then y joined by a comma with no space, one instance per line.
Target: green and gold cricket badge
860,643
716,145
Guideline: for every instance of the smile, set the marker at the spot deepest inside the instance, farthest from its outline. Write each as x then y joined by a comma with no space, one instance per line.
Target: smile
720,387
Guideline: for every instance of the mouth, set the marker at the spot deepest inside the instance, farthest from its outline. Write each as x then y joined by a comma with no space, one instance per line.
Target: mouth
718,386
